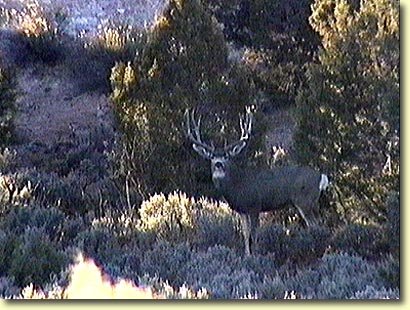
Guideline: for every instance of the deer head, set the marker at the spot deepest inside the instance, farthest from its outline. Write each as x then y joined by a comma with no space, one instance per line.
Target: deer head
219,157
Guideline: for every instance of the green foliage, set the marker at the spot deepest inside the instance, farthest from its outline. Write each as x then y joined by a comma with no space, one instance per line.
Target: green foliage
8,287
7,109
145,249
277,41
393,223
74,178
38,29
219,270
35,258
187,247
115,42
371,293
168,292
348,111
184,64
46,189
178,218
262,23
337,276
34,243
277,79
293,245
216,224
6,248
167,262
364,240
172,218
7,160
98,243
389,271
118,41
19,218
185,51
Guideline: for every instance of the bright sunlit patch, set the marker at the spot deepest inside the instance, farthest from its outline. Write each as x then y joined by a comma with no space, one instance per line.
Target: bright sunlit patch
89,282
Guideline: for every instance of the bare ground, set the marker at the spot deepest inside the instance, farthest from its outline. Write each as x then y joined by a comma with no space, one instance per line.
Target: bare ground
87,16
51,109
47,111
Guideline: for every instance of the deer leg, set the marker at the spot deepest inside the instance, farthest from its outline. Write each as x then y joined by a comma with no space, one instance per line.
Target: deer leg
308,214
254,224
246,231
302,213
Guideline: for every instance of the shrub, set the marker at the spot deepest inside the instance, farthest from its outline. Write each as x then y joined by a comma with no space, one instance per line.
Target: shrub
258,23
168,262
39,31
293,245
371,293
7,109
35,258
7,287
218,270
19,218
7,160
216,224
363,240
389,271
6,248
179,219
337,276
88,280
123,224
393,223
171,218
120,42
115,42
98,243
39,239
37,37
348,110
47,189
226,275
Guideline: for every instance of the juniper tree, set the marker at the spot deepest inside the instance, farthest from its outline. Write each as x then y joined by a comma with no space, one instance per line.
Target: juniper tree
183,64
348,110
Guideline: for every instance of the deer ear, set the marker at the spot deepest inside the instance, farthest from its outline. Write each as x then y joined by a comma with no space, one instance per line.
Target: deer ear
237,148
202,151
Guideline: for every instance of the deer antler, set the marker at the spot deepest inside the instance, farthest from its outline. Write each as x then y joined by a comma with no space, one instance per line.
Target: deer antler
245,123
194,134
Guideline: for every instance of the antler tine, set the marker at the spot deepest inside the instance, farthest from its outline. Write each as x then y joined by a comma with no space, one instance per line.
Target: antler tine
189,117
197,126
245,123
194,133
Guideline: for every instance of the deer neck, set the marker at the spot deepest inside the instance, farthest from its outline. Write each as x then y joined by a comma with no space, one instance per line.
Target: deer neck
234,175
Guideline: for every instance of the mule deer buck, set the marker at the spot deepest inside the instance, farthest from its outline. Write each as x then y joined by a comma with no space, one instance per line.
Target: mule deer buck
250,191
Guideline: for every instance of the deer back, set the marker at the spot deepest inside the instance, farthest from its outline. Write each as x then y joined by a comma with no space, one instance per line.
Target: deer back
259,190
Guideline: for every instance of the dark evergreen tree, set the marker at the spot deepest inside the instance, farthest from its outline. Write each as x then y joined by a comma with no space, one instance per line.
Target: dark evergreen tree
348,111
184,64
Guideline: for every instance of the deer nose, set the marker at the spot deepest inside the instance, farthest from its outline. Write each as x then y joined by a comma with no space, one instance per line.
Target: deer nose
219,165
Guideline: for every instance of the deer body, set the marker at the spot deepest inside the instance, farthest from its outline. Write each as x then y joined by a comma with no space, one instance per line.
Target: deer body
250,191
247,190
